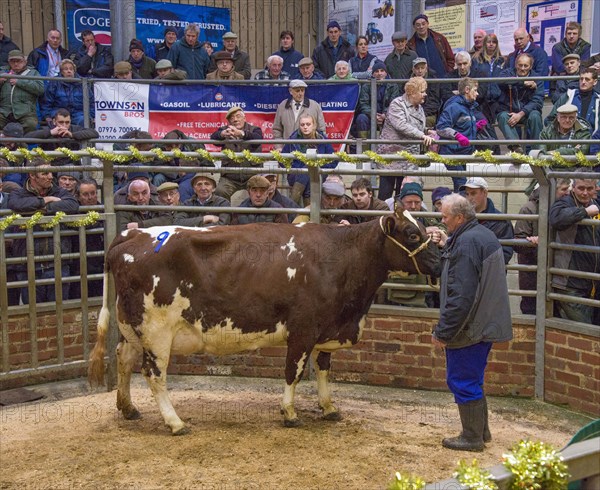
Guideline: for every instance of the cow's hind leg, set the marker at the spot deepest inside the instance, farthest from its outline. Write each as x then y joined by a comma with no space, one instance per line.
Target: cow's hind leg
127,355
322,363
295,363
154,369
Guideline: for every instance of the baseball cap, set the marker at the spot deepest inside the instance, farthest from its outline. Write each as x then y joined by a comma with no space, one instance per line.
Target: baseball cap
474,183
417,61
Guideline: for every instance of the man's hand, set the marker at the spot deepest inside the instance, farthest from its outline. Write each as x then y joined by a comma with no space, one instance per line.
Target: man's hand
380,118
515,118
344,222
530,84
532,239
592,210
91,51
210,219
61,132
132,226
48,199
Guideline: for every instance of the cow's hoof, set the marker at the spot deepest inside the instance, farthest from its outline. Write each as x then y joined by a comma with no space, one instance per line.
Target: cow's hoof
182,431
292,423
333,416
132,414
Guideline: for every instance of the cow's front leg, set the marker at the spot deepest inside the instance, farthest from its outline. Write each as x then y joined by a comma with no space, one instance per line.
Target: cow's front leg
127,355
154,369
322,362
295,363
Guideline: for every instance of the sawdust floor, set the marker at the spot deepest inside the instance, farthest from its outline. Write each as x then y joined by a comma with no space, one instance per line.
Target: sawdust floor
76,439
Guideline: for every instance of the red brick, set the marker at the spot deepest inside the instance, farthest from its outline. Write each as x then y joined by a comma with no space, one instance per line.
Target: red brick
418,372
418,350
501,346
582,343
367,356
378,335
555,337
592,384
580,394
522,369
566,353
580,368
386,347
523,346
555,387
498,367
592,358
555,363
378,379
568,378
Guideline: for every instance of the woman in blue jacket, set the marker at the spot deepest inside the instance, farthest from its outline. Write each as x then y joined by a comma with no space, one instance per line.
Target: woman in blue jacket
301,182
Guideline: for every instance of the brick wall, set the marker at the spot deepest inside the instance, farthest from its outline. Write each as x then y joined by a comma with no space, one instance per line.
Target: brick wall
395,351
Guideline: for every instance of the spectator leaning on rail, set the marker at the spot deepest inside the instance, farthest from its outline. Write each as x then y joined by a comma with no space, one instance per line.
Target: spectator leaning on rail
92,59
565,216
362,200
258,192
289,111
524,45
476,192
306,68
277,196
586,98
204,185
458,121
40,194
62,94
225,69
46,58
138,194
405,120
432,46
274,70
69,180
12,130
19,97
187,54
399,61
165,71
567,126
141,64
332,49
520,102
300,183
290,56
6,46
572,64
527,255
234,133
474,313
241,60
570,44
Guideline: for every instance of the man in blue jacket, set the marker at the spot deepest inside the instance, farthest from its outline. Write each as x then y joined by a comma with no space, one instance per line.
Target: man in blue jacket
332,49
188,55
291,57
46,58
525,44
474,313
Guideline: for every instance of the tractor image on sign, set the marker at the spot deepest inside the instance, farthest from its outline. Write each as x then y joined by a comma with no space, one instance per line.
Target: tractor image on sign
387,9
373,34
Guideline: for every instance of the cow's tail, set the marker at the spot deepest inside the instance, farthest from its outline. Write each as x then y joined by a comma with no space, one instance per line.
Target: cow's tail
96,363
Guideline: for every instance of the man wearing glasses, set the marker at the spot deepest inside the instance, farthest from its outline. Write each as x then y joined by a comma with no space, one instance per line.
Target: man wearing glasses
567,126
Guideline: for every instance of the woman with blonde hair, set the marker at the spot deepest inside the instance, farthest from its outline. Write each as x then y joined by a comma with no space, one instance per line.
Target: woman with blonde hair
489,60
405,120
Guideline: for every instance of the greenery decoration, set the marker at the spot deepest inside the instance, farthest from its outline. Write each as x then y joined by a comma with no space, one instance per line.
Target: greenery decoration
31,222
376,157
536,466
342,155
205,154
68,153
308,161
472,476
486,155
54,221
286,162
406,482
8,155
90,218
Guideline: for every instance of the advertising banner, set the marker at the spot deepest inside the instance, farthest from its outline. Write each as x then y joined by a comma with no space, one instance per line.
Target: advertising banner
199,111
451,22
496,17
378,20
151,20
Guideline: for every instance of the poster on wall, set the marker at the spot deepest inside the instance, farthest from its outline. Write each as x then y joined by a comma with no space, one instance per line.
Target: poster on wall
152,18
346,13
378,20
451,22
546,21
498,17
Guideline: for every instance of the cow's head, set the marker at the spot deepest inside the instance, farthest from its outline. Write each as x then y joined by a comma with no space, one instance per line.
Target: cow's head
408,248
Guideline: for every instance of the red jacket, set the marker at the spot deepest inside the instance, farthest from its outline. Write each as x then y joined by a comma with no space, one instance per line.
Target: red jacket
441,44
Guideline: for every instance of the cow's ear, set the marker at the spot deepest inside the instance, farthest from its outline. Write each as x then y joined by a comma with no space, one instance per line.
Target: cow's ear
389,223
399,210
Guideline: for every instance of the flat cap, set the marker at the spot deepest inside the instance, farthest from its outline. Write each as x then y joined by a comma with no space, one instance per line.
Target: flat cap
122,67
259,182
233,110
230,35
13,130
474,183
571,56
167,186
15,54
306,61
567,109
399,36
205,175
163,64
297,84
333,189
417,61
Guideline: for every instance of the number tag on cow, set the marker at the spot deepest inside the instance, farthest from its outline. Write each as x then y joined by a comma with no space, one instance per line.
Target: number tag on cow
161,239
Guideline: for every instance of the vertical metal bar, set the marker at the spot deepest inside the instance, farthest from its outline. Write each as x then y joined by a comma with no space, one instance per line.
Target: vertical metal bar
543,308
315,194
58,285
373,131
86,102
4,303
83,288
32,296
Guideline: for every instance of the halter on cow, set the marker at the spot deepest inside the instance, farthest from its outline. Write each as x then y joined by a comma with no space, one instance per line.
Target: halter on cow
224,290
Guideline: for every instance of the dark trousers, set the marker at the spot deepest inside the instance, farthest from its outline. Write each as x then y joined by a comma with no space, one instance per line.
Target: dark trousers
389,185
44,293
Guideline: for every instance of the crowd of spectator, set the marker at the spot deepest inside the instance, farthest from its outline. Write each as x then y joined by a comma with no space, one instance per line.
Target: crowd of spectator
418,108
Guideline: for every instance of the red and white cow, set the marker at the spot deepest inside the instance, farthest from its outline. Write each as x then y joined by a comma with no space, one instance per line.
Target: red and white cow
224,290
